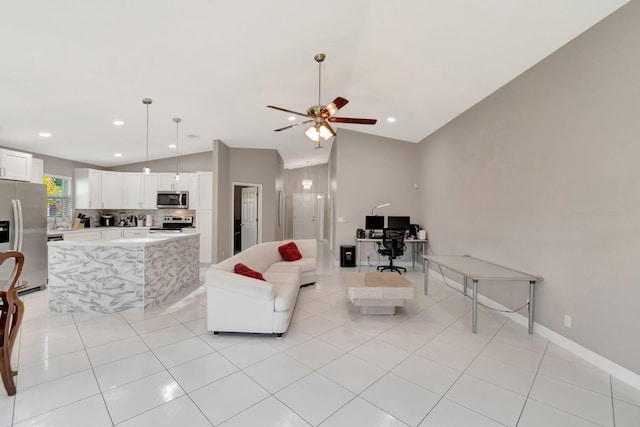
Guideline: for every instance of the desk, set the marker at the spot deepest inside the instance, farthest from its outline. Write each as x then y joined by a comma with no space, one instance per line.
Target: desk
413,242
477,269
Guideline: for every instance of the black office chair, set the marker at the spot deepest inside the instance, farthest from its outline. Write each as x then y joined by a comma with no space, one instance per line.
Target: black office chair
393,247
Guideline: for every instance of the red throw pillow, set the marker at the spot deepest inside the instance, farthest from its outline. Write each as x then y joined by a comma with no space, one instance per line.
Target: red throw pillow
290,252
246,271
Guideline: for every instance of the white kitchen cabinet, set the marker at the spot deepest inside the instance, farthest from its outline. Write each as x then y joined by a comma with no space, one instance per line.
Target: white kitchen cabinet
132,197
204,226
205,190
111,234
37,171
149,190
135,232
112,190
87,189
77,236
15,165
167,181
194,197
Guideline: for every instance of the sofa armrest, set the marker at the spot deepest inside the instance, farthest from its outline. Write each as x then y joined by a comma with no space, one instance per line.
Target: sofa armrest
236,283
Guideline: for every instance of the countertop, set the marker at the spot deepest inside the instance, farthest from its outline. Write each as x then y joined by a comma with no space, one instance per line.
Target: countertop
75,230
153,239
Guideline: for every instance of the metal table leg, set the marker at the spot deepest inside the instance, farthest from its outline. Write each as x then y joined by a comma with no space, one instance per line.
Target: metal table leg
465,286
531,292
426,275
358,242
474,320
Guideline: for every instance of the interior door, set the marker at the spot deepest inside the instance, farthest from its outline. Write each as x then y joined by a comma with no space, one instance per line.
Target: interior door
249,217
304,216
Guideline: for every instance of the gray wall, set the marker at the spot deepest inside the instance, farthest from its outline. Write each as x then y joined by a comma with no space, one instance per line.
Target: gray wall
188,163
543,176
259,166
293,184
222,202
58,166
245,165
369,171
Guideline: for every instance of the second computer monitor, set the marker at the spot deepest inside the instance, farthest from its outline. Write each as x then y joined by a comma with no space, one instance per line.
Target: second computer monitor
403,222
374,222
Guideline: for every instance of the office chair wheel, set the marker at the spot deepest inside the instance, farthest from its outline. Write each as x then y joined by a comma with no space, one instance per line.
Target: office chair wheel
391,268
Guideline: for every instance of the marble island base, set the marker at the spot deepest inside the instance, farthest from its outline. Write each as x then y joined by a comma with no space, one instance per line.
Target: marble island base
114,276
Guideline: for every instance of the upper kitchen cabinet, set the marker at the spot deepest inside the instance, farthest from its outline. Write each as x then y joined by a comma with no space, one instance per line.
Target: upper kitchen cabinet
87,189
15,165
112,194
167,182
132,190
202,190
37,171
149,190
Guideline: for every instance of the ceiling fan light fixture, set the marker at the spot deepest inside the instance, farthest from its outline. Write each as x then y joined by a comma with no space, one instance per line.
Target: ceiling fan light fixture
314,133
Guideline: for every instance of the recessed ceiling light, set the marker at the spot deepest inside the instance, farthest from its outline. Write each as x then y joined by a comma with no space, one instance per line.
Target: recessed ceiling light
117,155
291,118
172,146
391,119
45,134
118,122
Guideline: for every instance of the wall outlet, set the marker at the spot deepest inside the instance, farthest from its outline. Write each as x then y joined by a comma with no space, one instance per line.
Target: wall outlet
567,320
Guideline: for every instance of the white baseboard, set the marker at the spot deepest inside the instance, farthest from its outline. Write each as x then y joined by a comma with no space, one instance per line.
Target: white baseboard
612,368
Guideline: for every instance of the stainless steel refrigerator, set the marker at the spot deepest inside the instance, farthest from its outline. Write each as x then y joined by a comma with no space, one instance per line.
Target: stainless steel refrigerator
23,227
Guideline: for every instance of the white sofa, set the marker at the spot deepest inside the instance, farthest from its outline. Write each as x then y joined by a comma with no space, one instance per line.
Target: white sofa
237,303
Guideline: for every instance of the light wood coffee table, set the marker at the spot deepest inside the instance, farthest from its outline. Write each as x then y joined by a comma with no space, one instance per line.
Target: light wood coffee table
377,293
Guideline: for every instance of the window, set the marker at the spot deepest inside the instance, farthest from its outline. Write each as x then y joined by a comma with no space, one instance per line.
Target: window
58,196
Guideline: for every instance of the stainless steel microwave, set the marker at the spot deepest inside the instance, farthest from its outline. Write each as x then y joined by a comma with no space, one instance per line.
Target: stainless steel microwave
172,200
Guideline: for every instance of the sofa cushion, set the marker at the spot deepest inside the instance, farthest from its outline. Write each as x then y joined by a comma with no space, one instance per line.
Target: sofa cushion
305,264
243,270
290,252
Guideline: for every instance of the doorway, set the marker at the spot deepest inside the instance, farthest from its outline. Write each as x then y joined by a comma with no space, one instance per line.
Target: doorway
247,215
308,216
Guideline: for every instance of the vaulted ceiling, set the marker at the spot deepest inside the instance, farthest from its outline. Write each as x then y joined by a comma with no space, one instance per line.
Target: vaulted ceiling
71,68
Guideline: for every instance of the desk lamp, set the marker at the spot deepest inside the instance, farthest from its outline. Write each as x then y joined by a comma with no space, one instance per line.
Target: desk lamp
379,206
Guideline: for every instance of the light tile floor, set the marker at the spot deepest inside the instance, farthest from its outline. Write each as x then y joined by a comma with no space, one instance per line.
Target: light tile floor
422,367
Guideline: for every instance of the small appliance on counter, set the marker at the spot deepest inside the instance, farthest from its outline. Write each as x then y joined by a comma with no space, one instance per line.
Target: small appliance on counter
107,220
173,223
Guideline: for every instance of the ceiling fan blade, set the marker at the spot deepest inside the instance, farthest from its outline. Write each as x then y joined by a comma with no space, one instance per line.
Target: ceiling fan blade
328,126
337,104
352,120
288,111
292,126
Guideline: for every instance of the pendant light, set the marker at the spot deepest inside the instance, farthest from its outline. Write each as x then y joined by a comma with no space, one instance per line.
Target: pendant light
146,170
307,183
177,120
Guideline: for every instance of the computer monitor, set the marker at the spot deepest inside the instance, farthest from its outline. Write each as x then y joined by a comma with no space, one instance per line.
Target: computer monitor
403,222
374,222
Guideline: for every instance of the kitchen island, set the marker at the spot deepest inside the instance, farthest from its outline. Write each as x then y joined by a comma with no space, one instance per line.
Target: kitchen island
110,276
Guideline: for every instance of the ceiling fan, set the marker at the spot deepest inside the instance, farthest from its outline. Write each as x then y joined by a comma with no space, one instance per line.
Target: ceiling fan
320,115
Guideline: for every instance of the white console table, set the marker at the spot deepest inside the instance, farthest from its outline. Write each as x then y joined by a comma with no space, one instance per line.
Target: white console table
477,269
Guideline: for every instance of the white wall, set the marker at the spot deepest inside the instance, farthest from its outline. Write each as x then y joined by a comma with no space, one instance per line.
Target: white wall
543,176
